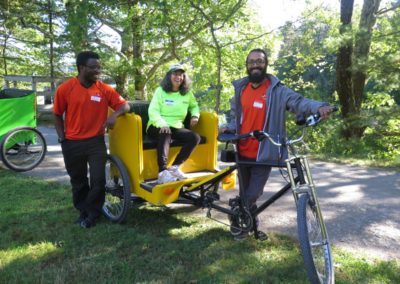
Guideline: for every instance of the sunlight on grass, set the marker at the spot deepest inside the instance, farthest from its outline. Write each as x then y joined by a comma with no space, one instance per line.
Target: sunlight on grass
40,244
29,252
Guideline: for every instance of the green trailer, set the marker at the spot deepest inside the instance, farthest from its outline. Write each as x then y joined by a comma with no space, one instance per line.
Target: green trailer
22,146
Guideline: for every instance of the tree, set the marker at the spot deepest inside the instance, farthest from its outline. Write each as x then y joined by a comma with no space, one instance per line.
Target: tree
306,60
217,18
352,63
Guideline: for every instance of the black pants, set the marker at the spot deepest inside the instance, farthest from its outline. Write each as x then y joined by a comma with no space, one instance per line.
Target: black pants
188,137
254,179
87,197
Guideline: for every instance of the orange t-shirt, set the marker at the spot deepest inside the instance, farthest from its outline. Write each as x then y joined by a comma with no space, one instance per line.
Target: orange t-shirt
254,107
85,109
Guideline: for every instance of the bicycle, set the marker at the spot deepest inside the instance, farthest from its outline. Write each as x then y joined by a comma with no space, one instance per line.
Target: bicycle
131,178
22,146
312,233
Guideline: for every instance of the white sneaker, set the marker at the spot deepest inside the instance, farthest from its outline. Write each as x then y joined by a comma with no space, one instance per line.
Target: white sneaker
166,176
174,170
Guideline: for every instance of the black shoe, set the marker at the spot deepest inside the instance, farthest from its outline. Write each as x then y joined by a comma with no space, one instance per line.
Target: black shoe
80,218
87,223
261,236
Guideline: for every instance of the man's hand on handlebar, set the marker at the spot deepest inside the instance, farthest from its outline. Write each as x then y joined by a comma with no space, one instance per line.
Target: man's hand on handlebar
325,111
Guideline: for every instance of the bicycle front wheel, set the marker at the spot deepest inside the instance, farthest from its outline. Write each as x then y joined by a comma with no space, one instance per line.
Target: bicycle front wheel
22,149
314,246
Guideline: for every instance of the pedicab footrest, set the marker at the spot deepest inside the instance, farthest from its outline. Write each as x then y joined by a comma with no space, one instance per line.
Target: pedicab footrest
168,192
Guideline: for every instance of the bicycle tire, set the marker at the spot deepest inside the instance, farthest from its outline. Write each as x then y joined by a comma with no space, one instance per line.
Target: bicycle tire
23,149
316,251
118,190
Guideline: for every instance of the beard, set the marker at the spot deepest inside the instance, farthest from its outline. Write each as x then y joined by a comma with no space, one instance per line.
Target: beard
257,76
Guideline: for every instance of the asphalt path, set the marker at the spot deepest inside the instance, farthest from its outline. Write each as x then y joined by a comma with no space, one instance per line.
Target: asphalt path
360,205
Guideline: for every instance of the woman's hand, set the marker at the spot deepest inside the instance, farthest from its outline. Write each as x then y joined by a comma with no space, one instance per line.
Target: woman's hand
194,120
165,130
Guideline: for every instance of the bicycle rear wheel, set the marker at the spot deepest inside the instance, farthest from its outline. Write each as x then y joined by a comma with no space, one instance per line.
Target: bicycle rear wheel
118,190
314,246
22,149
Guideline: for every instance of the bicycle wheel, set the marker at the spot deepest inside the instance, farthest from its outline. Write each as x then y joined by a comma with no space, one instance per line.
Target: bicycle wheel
23,148
118,190
315,248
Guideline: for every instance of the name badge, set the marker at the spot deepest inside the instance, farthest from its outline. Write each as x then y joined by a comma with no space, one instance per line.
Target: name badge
95,98
169,102
258,104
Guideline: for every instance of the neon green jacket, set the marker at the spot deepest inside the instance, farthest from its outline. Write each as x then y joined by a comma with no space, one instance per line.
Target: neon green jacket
170,109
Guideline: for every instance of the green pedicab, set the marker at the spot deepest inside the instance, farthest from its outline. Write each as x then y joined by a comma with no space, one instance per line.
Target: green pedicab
22,146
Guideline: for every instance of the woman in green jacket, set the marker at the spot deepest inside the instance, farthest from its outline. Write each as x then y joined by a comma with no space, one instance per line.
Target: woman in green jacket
167,111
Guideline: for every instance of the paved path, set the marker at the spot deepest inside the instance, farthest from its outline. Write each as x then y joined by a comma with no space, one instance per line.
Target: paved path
361,206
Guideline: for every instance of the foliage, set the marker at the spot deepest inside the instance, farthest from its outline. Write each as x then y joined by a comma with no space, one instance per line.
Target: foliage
384,68
305,61
138,40
25,38
39,243
379,144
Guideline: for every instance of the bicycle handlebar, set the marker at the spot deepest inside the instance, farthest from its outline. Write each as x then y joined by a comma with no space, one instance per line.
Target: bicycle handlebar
258,134
312,120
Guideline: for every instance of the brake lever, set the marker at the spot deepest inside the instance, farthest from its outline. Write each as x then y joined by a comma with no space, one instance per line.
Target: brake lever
313,119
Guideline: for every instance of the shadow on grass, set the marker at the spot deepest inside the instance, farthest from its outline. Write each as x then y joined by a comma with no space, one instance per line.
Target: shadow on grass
39,243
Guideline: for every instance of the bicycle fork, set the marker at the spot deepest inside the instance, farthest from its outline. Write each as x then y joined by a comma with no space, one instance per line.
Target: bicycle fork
305,185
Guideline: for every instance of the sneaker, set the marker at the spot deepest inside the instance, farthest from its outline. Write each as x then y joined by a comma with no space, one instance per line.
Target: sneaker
166,176
176,172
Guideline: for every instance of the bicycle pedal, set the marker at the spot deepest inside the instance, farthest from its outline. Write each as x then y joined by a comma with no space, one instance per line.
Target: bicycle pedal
233,202
214,195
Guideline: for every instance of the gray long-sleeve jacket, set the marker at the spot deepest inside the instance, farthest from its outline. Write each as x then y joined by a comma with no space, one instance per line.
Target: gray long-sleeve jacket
279,99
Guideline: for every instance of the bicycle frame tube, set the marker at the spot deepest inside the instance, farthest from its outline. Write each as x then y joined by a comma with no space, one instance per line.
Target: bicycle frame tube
274,197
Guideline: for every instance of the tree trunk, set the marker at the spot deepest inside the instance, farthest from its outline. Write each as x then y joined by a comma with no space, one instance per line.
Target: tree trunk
121,81
361,49
77,15
138,56
351,69
219,69
51,55
4,54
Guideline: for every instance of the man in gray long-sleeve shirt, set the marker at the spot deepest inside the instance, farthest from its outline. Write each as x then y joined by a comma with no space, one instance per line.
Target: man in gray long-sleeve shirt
259,103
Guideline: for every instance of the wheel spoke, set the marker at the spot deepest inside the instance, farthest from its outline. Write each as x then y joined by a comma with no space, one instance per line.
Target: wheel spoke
315,248
23,149
117,193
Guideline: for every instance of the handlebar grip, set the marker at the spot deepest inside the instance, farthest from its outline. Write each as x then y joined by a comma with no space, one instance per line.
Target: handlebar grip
314,118
300,120
229,137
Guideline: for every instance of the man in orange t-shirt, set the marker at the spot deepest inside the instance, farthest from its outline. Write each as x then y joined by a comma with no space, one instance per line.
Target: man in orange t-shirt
260,103
80,112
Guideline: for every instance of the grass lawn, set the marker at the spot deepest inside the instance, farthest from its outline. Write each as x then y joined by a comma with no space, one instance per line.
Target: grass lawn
39,244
